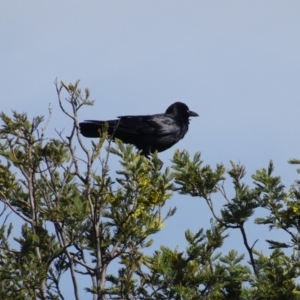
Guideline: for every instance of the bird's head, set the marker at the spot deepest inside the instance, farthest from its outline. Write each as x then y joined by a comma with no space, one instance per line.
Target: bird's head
182,110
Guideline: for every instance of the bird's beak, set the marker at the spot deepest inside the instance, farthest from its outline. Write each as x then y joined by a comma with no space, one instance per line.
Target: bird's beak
192,114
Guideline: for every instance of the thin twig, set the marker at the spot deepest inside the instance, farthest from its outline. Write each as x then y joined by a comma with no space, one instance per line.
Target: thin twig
249,249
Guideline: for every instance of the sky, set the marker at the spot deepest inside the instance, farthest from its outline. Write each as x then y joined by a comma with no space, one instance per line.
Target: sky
235,63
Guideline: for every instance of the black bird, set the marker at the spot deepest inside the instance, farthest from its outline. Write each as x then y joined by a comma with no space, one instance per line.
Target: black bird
148,132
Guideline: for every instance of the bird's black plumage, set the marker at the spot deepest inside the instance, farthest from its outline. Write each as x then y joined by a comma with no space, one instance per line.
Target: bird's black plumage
148,132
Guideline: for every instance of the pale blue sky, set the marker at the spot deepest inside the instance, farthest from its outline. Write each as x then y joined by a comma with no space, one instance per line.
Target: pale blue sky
236,63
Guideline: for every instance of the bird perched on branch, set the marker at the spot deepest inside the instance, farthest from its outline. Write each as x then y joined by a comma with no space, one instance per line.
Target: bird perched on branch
147,132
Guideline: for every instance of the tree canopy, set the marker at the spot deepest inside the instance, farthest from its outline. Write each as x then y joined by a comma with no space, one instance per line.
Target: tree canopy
79,219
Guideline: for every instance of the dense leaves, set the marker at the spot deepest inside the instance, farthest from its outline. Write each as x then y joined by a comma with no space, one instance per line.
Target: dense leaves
81,219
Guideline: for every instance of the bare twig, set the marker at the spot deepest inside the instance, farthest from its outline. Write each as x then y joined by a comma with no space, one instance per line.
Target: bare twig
211,207
26,219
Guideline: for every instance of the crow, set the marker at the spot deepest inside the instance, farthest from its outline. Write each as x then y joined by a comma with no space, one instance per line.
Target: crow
149,133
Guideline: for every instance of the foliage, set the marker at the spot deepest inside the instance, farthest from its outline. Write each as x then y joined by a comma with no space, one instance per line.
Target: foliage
82,221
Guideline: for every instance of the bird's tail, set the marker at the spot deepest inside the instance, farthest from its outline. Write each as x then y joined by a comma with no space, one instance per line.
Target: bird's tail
91,129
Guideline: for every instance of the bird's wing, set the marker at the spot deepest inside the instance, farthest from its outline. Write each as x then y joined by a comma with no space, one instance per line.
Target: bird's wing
160,124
